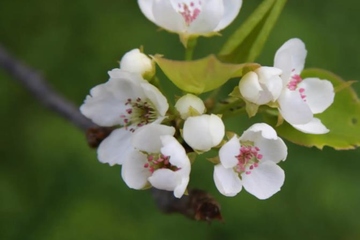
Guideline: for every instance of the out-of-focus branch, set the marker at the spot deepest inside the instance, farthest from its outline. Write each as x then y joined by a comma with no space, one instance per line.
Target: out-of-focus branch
41,90
198,205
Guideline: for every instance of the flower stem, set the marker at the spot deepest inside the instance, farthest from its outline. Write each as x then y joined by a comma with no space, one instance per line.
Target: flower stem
228,106
190,48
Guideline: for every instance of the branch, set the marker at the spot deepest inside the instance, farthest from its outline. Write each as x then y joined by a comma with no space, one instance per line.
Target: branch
198,205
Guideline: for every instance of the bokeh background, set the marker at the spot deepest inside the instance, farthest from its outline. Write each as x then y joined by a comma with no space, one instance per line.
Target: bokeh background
53,187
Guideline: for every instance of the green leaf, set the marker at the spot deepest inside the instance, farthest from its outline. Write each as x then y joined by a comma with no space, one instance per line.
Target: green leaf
247,41
342,118
201,75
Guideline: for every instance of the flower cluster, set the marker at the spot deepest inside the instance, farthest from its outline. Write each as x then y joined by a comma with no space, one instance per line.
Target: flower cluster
153,140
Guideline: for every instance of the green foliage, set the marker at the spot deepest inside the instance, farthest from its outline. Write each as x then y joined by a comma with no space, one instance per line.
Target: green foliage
246,43
342,117
201,75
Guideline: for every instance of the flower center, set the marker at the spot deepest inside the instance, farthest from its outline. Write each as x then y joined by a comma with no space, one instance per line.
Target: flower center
248,159
189,10
293,84
157,161
139,113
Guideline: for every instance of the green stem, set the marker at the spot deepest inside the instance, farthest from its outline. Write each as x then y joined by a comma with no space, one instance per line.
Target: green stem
226,107
189,51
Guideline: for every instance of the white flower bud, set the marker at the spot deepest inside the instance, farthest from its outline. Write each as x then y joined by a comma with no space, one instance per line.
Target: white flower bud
203,132
190,105
137,62
262,85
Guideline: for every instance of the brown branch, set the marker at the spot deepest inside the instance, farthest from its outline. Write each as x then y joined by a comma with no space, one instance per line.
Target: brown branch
198,205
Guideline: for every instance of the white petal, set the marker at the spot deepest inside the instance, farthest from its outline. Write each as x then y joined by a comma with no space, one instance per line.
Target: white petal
137,62
270,77
102,107
165,179
156,97
273,150
227,181
293,108
217,129
229,151
133,172
203,132
146,8
290,58
167,17
315,126
212,11
258,130
147,138
114,148
126,85
189,103
251,89
264,181
319,93
176,152
232,9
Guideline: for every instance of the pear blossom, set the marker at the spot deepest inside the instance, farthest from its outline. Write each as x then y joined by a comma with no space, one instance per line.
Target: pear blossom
251,162
190,105
125,100
203,132
261,86
157,159
301,98
137,62
191,17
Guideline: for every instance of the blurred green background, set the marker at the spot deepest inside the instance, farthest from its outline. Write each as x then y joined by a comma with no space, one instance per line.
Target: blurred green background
53,187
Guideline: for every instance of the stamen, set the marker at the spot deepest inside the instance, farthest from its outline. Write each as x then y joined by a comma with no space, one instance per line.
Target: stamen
248,159
189,11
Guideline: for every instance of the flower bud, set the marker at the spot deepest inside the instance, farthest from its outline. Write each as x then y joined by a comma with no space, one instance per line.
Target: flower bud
203,132
262,85
137,62
190,105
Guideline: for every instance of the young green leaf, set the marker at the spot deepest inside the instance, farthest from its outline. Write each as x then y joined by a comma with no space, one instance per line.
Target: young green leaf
247,41
201,75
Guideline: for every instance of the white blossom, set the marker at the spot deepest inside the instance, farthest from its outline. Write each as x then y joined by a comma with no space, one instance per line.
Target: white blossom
125,100
158,160
190,105
203,132
137,62
191,17
251,162
301,98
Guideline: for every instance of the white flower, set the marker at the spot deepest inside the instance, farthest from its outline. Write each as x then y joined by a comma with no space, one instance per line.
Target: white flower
127,100
191,17
251,162
159,160
190,105
261,86
301,98
203,132
137,62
